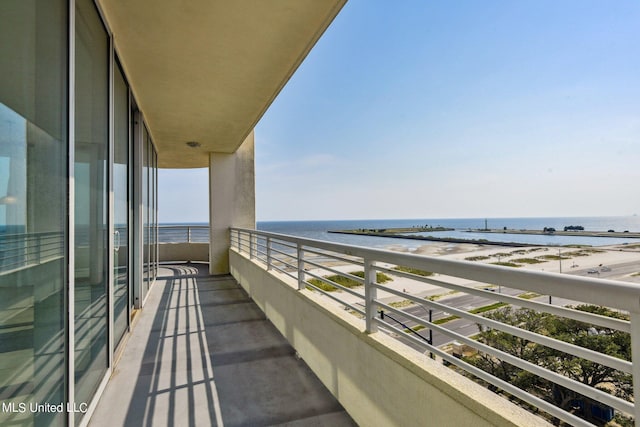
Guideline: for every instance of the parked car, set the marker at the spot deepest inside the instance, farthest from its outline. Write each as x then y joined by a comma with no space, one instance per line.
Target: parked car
605,269
592,271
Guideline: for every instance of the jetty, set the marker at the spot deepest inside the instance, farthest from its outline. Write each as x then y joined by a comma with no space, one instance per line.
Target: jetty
407,233
399,233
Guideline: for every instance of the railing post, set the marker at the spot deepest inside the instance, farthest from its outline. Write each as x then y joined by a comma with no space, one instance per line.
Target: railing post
301,275
370,294
251,237
635,358
39,245
189,234
268,253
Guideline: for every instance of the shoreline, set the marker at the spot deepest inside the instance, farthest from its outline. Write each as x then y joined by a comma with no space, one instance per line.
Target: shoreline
577,233
434,239
401,233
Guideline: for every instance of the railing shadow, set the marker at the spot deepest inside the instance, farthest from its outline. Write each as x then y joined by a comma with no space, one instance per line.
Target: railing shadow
175,385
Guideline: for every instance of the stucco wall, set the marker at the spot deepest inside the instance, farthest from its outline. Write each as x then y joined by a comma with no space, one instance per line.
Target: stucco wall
232,200
378,380
183,252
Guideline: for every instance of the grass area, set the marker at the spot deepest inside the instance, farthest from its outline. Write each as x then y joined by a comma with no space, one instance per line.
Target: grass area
401,304
632,246
476,258
507,264
488,308
346,281
437,297
380,277
552,257
527,261
340,280
413,271
635,274
415,329
582,252
593,251
445,320
536,249
576,253
529,295
501,254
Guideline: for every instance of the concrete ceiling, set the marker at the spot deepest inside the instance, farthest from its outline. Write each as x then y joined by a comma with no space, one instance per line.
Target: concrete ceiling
207,70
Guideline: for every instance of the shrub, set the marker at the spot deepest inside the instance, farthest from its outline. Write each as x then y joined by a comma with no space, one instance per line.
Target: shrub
413,271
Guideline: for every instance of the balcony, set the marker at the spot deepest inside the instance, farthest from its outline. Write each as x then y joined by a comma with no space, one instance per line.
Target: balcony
183,243
361,348
202,353
238,349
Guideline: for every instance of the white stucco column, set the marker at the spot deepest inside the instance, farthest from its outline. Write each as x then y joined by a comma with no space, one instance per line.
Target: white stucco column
232,200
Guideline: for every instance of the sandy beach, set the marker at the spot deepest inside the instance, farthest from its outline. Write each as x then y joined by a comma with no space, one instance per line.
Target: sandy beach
617,262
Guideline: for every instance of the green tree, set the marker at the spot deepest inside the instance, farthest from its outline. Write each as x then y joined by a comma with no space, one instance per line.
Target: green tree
607,341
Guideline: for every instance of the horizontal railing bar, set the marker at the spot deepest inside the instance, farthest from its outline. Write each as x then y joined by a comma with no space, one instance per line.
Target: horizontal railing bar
182,226
511,389
336,285
582,316
336,272
572,349
584,290
324,267
292,266
335,257
605,292
592,392
275,267
336,299
283,253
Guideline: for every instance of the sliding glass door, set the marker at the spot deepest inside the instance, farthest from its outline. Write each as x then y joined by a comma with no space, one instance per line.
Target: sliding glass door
90,201
121,192
33,208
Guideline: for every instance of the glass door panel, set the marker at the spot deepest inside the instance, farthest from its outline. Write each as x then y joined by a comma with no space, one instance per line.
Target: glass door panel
91,207
33,208
121,207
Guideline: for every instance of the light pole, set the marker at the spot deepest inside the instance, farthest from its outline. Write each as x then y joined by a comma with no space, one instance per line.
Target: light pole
560,260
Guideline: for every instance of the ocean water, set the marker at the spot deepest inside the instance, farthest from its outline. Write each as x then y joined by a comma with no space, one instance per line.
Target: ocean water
319,230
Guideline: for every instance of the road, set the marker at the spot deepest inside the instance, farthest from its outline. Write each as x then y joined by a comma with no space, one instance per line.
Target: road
467,302
463,327
618,271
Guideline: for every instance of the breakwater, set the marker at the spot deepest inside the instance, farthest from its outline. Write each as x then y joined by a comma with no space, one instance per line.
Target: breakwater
395,234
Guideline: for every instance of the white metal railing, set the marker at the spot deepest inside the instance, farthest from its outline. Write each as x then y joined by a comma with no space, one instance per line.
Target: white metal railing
183,234
24,250
305,259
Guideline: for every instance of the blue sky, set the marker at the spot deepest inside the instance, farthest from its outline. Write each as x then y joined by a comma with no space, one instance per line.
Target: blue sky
429,109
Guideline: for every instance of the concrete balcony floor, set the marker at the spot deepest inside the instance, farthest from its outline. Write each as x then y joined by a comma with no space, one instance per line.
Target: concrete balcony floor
202,353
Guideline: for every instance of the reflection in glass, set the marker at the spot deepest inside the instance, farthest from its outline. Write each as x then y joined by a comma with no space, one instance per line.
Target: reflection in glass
91,248
33,188
145,210
121,206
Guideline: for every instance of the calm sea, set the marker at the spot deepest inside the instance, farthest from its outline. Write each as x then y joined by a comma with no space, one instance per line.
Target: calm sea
319,230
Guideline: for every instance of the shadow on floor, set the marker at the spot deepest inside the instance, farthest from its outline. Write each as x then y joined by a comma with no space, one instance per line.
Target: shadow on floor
210,357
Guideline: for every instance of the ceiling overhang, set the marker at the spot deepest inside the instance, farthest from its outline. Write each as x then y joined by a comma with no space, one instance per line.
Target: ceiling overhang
205,71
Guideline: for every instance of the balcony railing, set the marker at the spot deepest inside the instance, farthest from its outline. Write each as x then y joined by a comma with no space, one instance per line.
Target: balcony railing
24,250
183,234
183,243
308,262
